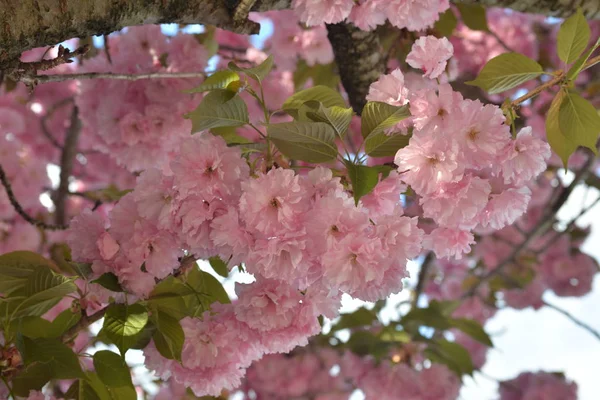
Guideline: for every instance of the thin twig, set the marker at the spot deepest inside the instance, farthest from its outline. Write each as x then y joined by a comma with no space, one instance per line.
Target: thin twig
66,166
19,209
83,323
48,115
570,225
500,41
39,79
575,320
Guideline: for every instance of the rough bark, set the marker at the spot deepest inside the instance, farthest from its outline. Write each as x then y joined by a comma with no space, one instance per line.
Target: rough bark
359,58
25,24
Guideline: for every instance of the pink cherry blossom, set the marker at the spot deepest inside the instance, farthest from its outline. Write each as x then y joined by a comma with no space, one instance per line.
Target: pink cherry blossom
316,12
389,89
527,156
449,242
431,55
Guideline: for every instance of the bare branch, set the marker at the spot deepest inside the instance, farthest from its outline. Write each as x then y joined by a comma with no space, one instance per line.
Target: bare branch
39,79
575,320
67,157
19,209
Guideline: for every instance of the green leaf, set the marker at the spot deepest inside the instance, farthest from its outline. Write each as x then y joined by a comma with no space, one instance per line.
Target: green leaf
307,141
578,119
122,322
339,118
64,321
473,16
207,286
506,71
219,266
377,117
321,74
62,359
37,327
169,336
320,93
170,296
219,108
106,195
359,318
363,178
382,145
578,65
112,370
562,145
33,377
446,24
471,328
453,355
92,388
43,290
257,73
573,37
109,281
365,343
218,80
229,135
16,267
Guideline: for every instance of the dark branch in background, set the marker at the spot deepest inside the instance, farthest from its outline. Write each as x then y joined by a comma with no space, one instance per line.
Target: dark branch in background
359,58
47,116
573,319
39,79
83,323
423,274
69,151
26,72
19,209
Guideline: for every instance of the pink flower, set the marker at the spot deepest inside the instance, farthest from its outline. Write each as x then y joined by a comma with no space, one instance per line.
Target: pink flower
539,385
267,305
273,202
317,12
448,243
83,235
107,246
385,198
367,14
457,205
230,237
426,163
480,133
431,55
429,109
206,166
569,275
389,89
527,156
504,208
415,15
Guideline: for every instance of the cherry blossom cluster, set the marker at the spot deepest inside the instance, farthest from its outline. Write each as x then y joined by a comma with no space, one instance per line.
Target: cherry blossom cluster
142,125
540,385
462,161
415,15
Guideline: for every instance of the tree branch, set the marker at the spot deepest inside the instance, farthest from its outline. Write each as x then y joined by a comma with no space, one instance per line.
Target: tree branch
359,58
575,320
69,151
38,79
19,209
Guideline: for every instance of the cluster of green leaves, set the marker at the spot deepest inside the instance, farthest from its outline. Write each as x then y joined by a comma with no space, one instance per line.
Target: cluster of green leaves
365,340
472,15
571,121
321,120
31,285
